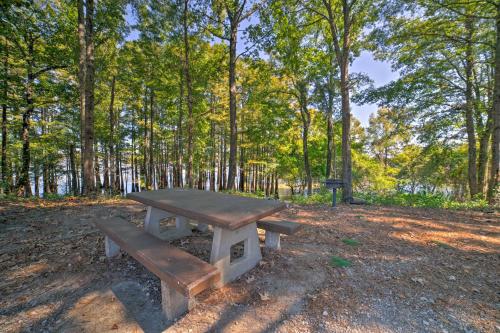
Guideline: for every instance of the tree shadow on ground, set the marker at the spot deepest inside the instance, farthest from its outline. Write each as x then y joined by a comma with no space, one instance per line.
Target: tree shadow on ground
400,276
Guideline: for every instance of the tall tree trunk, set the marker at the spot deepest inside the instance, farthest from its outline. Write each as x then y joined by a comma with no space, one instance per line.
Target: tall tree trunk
276,183
346,132
81,76
24,187
151,142
241,184
97,171
45,158
306,123
106,170
224,162
329,113
36,179
133,162
482,161
88,151
342,45
495,142
189,96
213,154
220,167
180,146
232,104
74,177
111,148
469,113
329,135
145,143
4,186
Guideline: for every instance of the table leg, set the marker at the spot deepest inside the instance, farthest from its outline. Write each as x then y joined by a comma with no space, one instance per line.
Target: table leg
153,218
221,252
182,225
111,248
202,227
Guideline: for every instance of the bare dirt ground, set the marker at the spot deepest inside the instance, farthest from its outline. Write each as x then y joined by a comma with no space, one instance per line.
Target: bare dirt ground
412,270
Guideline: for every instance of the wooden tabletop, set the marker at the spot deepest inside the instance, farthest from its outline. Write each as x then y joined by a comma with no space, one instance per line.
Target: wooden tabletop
219,209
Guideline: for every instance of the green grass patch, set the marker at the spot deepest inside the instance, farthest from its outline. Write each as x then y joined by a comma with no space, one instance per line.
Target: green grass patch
323,196
422,200
351,242
339,262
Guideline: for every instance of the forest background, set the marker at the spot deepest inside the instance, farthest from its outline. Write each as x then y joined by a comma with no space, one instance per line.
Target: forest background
109,97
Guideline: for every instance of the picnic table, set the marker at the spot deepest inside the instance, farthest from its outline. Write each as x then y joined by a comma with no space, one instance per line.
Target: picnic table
233,219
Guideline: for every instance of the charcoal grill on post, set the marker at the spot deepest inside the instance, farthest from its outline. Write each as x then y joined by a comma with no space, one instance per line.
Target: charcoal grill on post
334,184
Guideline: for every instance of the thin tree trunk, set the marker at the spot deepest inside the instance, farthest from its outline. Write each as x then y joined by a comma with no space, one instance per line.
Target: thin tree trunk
36,179
224,162
111,148
24,187
151,138
4,186
145,145
495,142
482,162
232,103
306,123
88,152
346,132
189,96
106,170
329,134
329,114
74,177
180,150
469,113
81,77
97,171
213,154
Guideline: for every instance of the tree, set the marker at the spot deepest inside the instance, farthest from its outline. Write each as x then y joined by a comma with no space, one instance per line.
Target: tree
495,142
35,32
442,51
346,21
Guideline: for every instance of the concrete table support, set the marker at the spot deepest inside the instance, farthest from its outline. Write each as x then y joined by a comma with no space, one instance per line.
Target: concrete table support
152,224
202,227
220,256
111,248
182,225
273,240
153,218
174,304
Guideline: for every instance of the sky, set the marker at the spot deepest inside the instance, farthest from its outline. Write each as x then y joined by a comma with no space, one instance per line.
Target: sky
379,71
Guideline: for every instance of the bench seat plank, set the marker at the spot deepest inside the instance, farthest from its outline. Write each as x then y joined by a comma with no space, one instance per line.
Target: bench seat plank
181,270
280,226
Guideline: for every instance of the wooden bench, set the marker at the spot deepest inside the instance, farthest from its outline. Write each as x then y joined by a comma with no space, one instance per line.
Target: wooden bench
274,227
182,275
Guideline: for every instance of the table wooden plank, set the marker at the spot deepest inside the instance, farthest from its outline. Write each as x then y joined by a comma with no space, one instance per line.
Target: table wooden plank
219,209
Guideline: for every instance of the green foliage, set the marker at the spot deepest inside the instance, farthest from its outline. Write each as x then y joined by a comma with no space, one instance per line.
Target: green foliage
422,200
323,196
339,262
351,242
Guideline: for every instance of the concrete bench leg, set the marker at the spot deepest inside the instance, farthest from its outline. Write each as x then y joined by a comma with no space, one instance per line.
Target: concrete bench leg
111,248
153,218
202,227
182,225
221,252
273,240
174,304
